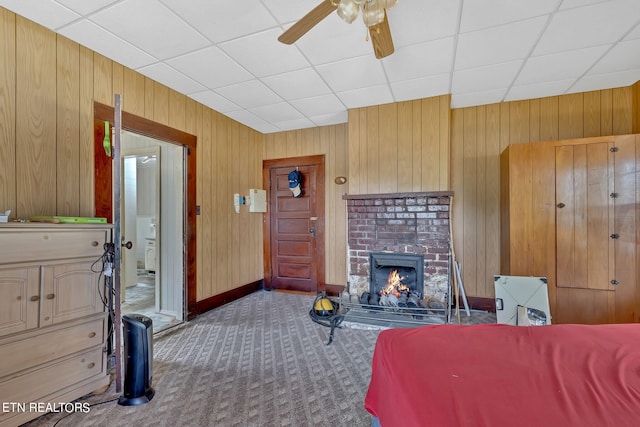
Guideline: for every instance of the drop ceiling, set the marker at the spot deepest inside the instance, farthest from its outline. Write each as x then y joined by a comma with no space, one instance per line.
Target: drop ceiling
225,54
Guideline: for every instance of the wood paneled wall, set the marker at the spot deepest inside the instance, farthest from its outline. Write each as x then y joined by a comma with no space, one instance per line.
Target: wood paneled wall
400,147
47,88
332,142
48,85
480,134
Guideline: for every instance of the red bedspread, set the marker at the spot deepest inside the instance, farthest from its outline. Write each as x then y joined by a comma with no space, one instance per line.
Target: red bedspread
502,375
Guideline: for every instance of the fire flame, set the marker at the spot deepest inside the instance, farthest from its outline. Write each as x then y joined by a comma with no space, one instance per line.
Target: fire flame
394,284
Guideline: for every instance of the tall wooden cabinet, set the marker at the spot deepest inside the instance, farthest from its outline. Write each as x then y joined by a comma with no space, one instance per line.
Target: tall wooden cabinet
570,212
53,321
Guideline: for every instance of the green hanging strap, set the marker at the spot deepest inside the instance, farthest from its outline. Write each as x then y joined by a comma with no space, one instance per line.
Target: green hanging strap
106,143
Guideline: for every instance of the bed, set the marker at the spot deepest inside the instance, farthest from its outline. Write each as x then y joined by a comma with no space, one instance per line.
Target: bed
503,375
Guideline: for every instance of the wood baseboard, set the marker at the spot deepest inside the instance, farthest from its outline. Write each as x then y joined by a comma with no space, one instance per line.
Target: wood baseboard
226,297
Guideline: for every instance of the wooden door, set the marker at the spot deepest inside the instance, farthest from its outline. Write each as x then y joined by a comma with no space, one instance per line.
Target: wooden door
296,227
584,224
627,218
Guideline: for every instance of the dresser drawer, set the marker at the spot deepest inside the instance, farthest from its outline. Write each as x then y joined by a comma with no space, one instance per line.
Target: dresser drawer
30,352
36,385
50,244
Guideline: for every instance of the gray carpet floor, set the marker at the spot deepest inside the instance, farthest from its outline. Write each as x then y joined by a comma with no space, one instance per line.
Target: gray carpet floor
258,361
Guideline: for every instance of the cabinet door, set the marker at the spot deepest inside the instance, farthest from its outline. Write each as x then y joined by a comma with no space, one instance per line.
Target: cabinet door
19,299
627,218
71,291
584,223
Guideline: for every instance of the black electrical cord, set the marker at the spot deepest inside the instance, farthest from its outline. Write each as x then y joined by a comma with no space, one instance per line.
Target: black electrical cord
90,406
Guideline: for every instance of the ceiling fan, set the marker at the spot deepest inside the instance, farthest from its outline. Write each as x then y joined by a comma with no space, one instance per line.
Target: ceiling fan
374,15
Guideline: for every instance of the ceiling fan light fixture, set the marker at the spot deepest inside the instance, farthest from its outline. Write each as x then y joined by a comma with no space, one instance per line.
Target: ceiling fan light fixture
372,13
348,10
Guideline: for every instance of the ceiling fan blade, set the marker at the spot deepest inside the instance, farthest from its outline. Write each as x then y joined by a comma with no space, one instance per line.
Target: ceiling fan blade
308,21
381,38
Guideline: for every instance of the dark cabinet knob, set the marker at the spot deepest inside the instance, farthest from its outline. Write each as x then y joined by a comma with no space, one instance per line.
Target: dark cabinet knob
560,205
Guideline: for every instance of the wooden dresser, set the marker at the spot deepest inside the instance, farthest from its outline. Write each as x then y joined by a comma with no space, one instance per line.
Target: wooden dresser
53,322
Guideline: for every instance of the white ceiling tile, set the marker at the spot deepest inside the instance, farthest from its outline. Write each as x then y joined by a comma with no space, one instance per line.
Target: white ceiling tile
99,40
634,34
423,87
215,101
334,40
301,123
476,98
210,67
417,21
297,84
252,93
601,23
290,11
570,4
168,76
274,113
538,90
84,7
623,56
353,73
419,60
499,76
318,105
221,20
251,120
498,44
606,81
160,33
366,96
46,13
568,65
331,119
477,15
263,55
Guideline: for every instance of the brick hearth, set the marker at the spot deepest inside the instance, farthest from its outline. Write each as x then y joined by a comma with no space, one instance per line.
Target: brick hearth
412,223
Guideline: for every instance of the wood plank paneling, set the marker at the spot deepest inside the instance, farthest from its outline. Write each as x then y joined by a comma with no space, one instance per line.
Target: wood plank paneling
133,93
635,96
86,169
102,79
35,119
68,125
7,112
400,145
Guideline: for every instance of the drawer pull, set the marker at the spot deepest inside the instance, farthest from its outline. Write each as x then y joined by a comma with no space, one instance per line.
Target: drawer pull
51,296
92,334
95,243
35,298
91,365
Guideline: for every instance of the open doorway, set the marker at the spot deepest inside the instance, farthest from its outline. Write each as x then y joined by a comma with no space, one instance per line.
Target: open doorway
152,187
175,245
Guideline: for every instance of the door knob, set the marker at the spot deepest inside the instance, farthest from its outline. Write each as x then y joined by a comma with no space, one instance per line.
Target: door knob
127,245
560,205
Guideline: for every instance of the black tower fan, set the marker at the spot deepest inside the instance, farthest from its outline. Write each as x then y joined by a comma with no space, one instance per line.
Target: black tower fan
138,364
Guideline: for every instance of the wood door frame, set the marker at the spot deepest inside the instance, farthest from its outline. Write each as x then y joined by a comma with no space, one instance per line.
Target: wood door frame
267,165
104,195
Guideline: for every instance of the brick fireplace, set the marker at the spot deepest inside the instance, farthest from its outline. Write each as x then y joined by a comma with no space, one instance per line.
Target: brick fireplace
400,223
